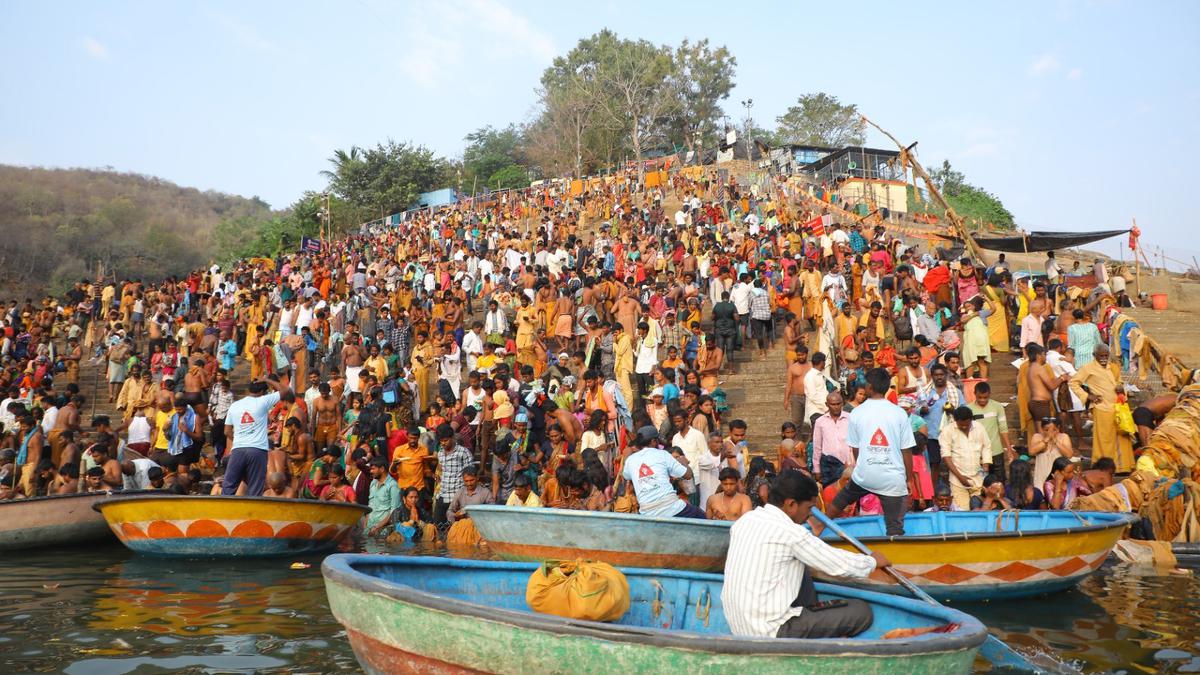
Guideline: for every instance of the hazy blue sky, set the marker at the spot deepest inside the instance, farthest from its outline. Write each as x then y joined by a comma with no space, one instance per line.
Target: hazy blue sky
1079,115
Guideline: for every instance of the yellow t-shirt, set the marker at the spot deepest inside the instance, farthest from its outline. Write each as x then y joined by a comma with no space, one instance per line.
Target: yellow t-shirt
411,471
162,420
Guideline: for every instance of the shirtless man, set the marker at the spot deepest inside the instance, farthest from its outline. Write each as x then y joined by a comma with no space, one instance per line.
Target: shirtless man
326,416
353,358
793,393
67,421
30,436
627,312
793,334
195,383
572,428
564,306
727,503
278,486
299,452
1042,385
1148,415
112,478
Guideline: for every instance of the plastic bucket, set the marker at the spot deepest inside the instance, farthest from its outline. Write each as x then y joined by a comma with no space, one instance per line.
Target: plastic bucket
1158,300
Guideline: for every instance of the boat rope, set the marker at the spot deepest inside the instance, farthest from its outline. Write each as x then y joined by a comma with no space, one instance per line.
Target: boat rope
1016,519
656,606
703,609
1082,520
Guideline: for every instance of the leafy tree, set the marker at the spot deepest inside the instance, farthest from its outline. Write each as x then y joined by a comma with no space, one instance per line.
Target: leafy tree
948,180
976,205
490,150
703,77
387,178
511,176
820,119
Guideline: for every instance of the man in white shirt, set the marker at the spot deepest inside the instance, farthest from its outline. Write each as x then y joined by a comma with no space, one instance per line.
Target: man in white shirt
472,345
740,297
815,391
691,441
287,318
768,589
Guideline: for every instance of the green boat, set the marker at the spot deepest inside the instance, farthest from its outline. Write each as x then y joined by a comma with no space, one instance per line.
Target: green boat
438,615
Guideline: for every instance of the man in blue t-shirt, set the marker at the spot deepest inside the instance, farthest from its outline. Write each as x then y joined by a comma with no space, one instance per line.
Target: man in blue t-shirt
881,438
246,426
650,470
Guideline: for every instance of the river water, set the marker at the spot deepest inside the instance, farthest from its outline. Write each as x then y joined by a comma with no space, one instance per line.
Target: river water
104,611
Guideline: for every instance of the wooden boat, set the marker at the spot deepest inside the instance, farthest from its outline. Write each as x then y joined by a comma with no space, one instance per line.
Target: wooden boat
621,539
992,555
979,555
222,527
52,521
439,615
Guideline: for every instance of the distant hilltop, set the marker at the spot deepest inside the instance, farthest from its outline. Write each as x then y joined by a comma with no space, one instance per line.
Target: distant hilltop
60,225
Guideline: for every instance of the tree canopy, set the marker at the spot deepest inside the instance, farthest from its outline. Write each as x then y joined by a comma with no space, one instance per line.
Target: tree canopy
611,98
385,179
821,119
976,205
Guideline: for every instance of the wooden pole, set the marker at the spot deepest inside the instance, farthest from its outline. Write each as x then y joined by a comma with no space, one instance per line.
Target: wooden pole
1137,268
951,214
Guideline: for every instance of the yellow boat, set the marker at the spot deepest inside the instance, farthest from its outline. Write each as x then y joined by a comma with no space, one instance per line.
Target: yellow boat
990,555
223,527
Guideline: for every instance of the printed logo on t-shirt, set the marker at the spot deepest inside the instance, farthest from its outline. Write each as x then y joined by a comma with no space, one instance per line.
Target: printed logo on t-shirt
247,418
644,471
878,451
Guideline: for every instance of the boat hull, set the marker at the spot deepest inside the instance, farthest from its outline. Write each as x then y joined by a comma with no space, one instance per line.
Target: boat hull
394,629
225,527
530,535
994,563
52,521
953,556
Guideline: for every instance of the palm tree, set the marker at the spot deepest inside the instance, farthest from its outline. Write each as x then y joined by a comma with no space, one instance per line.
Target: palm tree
342,160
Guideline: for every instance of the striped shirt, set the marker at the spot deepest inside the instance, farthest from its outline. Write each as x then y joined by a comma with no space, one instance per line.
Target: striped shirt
767,557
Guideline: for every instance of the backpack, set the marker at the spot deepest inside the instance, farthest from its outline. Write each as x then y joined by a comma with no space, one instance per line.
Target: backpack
390,392
903,326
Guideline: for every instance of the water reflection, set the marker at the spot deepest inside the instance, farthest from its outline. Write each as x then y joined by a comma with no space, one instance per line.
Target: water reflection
104,610
1118,619
109,611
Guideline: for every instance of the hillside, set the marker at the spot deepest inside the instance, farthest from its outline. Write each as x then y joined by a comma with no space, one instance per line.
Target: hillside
59,225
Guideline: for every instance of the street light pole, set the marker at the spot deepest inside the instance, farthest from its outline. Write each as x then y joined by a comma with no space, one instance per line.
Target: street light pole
748,103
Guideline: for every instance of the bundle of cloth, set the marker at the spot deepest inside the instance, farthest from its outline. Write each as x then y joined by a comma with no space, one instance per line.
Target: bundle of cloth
1174,446
1166,491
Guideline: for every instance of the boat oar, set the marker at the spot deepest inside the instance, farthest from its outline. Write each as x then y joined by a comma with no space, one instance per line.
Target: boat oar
994,650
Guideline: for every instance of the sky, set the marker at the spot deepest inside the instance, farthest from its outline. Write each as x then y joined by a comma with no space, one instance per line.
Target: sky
1078,115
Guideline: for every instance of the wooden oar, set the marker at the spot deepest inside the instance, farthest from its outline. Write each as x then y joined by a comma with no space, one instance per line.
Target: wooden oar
994,650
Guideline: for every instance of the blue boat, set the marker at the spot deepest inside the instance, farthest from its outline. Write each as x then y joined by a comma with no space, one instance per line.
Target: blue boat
439,615
970,555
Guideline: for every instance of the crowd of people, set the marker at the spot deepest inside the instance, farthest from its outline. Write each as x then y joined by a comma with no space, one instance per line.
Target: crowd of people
566,350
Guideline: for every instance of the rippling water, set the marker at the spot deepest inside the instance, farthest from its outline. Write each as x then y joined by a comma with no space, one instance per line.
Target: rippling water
103,610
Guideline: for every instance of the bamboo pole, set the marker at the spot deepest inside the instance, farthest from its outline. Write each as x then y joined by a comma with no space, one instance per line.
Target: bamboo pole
1137,268
951,214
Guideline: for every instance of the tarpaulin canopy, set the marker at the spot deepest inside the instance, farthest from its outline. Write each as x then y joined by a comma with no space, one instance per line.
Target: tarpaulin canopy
1044,241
